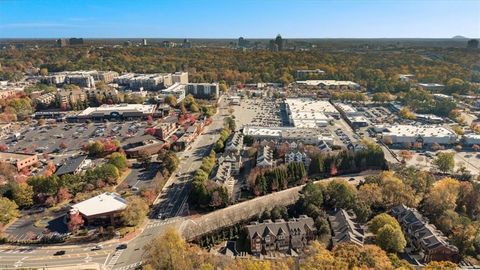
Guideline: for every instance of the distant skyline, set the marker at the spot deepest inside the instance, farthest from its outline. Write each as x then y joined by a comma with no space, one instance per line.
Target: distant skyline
235,18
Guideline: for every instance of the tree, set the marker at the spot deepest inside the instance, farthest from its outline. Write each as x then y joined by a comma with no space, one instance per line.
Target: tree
43,71
41,122
442,196
170,161
75,221
406,155
23,195
119,160
168,251
230,123
441,265
406,113
136,211
382,97
9,210
223,87
370,194
390,239
472,44
171,100
445,161
340,194
381,220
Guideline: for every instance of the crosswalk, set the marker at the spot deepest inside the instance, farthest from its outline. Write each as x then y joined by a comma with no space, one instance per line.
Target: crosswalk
115,258
17,251
130,266
160,223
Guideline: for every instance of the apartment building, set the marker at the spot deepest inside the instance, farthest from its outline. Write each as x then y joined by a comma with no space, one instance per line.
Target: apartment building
45,99
297,156
280,235
265,156
67,97
424,238
204,90
345,230
180,77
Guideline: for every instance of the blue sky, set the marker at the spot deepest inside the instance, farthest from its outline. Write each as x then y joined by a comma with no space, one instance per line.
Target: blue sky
234,18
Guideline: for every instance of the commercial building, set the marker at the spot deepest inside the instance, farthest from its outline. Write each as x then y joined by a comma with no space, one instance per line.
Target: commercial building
423,237
280,235
432,86
180,77
309,113
104,207
305,135
115,112
73,165
165,129
418,134
330,84
204,90
302,74
471,139
20,161
345,230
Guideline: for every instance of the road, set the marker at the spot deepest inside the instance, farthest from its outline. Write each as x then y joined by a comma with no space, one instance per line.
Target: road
172,204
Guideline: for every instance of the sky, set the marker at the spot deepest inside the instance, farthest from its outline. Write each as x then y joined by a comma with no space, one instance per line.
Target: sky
235,18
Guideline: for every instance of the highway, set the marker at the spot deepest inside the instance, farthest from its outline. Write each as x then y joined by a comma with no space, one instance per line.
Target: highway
171,204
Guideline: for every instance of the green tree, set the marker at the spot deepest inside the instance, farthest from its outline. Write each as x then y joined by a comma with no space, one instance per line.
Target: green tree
390,239
445,161
23,195
171,100
9,210
119,160
340,194
381,220
136,211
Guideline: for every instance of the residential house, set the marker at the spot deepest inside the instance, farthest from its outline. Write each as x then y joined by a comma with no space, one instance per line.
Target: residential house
280,235
265,156
423,237
297,156
234,143
345,230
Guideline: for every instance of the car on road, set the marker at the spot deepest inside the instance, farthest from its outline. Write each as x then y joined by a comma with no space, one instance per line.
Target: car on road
135,189
59,253
122,246
97,247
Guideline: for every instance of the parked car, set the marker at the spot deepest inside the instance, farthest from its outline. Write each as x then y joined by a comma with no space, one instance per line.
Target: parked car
97,247
59,253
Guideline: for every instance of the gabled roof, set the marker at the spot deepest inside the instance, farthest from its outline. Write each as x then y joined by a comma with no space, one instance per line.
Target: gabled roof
345,230
70,166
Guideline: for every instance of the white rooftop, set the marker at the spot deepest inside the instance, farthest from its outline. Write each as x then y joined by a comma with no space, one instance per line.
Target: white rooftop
120,108
104,203
420,130
309,113
328,83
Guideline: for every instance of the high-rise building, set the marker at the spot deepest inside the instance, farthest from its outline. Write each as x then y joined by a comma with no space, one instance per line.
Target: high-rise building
144,42
62,42
279,41
75,41
203,90
186,44
243,43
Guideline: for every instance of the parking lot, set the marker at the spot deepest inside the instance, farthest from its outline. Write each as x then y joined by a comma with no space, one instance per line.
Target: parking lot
263,112
58,141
